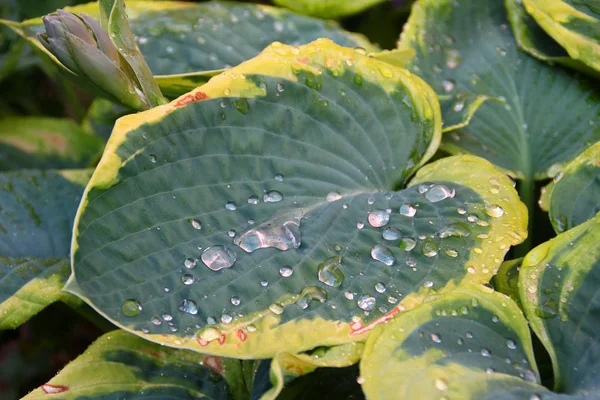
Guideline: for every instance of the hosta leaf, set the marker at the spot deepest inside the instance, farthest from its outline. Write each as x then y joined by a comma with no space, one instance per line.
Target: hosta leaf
532,39
549,115
458,110
328,8
575,24
326,383
507,279
28,285
291,150
45,143
559,283
121,365
287,367
101,117
36,219
183,42
574,195
469,344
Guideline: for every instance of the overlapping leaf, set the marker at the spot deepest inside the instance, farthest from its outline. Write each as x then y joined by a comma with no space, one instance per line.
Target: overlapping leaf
264,219
36,219
574,195
575,24
469,344
45,143
328,8
559,283
182,42
549,115
121,365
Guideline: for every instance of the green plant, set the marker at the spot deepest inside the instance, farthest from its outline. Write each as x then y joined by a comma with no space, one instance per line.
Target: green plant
276,188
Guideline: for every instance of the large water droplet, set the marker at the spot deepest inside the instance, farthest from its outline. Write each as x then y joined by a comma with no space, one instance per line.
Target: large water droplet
408,243
286,271
383,254
330,273
235,300
430,248
438,193
378,218
190,263
218,257
380,287
188,306
391,233
408,210
242,105
366,302
131,308
282,232
494,210
311,293
333,196
457,229
272,196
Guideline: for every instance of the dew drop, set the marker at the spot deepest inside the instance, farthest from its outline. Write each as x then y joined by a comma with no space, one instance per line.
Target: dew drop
360,225
408,243
448,85
383,254
333,196
408,210
451,253
153,158
430,249
438,193
435,338
380,287
167,317
494,210
330,273
276,308
282,233
253,200
190,263
366,302
231,233
242,105
378,218
131,308
485,353
311,293
286,271
218,257
511,344
226,319
264,283
231,206
391,233
187,279
272,196
428,284
235,300
188,306
279,178
156,321
441,385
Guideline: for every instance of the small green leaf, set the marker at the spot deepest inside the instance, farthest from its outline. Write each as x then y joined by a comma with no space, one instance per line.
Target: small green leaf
507,279
574,195
469,344
31,142
261,212
548,114
559,284
575,24
121,365
328,8
532,39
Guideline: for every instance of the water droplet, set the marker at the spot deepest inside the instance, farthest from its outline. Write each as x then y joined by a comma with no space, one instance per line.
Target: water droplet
235,300
366,302
448,85
378,218
196,224
438,193
451,253
276,308
278,26
458,230
282,232
264,283
272,196
218,257
153,158
380,287
441,385
408,243
190,263
231,206
453,58
435,338
242,105
311,293
188,306
156,321
330,273
226,319
430,249
360,225
391,233
349,295
253,200
408,210
458,106
383,254
131,308
333,196
511,344
370,201
494,210
279,178
485,353
286,271
280,88
428,284
392,300
167,317
187,279
231,233
501,51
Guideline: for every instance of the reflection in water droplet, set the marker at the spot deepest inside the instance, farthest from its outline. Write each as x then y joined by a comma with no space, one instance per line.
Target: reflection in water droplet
485,353
190,263
430,248
441,385
380,287
264,283
383,254
188,306
235,300
218,257
451,253
391,233
333,196
494,210
253,199
276,308
286,271
231,233
438,193
196,224
511,344
448,85
366,302
167,317
281,232
378,218
408,243
131,308
279,178
457,229
187,279
311,293
231,206
436,338
156,321
242,105
226,319
428,284
408,210
453,58
153,158
330,273
272,196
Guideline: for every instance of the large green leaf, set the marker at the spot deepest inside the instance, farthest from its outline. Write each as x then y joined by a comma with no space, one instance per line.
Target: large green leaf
297,151
532,39
549,115
36,219
183,42
328,8
120,365
469,344
559,284
573,196
575,24
45,143
507,279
